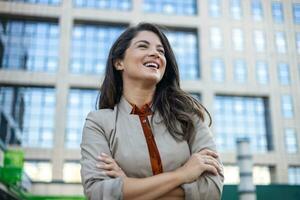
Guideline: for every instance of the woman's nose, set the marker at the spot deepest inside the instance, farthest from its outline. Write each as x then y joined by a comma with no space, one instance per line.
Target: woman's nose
154,52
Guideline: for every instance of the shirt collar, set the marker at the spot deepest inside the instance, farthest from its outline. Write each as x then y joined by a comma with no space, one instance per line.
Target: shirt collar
133,109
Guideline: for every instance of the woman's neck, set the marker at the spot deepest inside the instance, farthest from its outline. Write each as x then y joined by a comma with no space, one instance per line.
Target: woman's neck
138,95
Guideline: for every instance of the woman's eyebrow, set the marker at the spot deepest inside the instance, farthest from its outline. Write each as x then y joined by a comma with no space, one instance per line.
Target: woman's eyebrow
147,42
143,41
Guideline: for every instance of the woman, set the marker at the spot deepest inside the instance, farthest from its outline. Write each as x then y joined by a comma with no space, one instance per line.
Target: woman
148,140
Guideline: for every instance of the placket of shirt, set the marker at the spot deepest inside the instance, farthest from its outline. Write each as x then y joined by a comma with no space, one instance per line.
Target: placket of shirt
152,147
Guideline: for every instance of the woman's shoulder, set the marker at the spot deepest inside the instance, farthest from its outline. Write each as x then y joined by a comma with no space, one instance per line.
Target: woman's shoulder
100,115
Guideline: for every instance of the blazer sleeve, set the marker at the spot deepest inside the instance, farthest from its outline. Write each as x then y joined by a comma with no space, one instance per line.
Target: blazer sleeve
207,186
96,184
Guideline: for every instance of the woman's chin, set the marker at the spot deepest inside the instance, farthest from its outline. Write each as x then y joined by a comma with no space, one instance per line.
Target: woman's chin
151,80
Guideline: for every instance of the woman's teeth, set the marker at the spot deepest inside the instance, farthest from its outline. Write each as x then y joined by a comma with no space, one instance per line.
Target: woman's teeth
152,65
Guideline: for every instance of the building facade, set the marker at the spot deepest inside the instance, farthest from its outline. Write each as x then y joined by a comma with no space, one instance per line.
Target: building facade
241,58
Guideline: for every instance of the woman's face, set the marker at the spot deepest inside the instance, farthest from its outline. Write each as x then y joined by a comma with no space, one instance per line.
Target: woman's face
144,60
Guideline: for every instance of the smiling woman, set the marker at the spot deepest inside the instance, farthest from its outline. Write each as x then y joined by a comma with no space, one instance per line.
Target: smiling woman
149,139
144,62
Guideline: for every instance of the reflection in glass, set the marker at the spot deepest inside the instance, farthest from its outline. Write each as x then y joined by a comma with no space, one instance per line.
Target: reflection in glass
218,70
80,103
236,9
236,117
283,73
215,10
29,45
71,172
261,175
38,170
259,41
33,109
290,137
186,7
88,56
124,5
280,41
238,39
262,72
257,10
287,106
277,12
296,13
240,71
185,47
216,40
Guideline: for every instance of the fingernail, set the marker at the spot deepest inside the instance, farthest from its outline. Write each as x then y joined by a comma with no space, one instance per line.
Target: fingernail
103,154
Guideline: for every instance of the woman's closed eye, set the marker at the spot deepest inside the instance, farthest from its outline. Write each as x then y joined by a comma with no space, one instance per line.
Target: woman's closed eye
143,46
162,51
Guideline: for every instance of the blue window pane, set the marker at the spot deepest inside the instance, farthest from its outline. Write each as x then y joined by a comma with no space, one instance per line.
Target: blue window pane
215,9
283,73
197,96
281,43
287,106
298,43
29,45
185,46
296,13
80,103
277,12
240,71
218,70
290,136
32,110
216,38
187,7
124,5
294,175
259,41
238,39
262,72
257,10
236,9
88,56
49,2
237,117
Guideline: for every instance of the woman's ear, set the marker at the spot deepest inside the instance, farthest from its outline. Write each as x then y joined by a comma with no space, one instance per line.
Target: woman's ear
119,65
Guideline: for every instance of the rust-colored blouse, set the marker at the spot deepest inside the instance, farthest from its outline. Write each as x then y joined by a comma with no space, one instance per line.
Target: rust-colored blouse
155,159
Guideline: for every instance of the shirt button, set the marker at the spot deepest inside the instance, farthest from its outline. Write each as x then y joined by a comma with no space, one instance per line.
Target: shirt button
144,121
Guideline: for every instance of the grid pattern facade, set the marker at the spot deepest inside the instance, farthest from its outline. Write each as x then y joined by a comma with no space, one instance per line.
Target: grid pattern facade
30,45
245,117
91,44
80,103
241,58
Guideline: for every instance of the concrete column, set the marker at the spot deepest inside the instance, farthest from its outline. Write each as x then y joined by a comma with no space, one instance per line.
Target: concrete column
246,188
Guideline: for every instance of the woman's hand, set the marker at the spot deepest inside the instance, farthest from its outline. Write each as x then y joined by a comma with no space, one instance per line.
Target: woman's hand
203,161
110,166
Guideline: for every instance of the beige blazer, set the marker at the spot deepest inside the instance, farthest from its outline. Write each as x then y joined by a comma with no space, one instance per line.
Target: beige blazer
119,134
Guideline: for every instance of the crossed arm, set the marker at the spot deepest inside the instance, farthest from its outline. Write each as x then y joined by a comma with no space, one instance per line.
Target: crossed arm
165,185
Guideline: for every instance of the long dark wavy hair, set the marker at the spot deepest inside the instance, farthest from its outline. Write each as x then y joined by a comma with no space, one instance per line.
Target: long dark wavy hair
176,107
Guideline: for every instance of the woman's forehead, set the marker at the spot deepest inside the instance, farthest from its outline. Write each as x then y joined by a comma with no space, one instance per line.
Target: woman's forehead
147,36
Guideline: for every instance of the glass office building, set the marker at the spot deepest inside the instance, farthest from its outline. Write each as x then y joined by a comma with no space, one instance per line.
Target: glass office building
241,57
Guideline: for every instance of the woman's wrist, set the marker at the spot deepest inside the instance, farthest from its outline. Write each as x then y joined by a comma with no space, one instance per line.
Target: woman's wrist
179,176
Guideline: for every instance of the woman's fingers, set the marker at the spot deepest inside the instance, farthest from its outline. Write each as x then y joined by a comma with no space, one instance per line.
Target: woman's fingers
209,153
109,166
105,158
106,166
213,162
112,174
211,169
